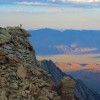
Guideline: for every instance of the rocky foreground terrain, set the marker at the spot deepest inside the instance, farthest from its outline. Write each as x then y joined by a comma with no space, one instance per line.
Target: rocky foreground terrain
21,77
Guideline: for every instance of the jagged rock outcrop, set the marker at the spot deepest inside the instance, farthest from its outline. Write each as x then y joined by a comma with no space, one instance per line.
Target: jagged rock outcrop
21,77
81,92
66,87
15,46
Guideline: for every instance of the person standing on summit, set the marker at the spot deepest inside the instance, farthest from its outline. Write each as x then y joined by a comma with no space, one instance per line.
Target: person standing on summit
20,25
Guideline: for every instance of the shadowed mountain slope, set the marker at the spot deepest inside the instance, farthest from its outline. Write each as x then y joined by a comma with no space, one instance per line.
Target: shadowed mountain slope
81,91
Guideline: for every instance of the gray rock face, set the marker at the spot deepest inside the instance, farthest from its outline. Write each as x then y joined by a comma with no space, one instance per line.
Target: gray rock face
81,92
14,42
51,68
21,78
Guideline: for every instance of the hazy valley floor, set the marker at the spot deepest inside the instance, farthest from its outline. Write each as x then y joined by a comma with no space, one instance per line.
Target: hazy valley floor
66,58
85,67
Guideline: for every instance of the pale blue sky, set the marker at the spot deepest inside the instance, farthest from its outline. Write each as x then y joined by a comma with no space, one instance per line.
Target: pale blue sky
56,14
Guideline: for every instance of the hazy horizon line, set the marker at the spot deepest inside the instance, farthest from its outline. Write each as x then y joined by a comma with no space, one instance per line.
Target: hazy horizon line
62,29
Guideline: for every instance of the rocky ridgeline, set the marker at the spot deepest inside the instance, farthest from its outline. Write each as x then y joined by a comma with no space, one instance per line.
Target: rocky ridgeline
21,78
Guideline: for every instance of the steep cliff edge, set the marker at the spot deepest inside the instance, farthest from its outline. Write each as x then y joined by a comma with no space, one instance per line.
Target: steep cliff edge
21,78
81,92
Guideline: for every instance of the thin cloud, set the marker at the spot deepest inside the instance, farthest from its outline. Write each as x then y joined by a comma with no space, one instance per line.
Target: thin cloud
72,3
83,1
53,0
32,3
52,10
11,11
63,3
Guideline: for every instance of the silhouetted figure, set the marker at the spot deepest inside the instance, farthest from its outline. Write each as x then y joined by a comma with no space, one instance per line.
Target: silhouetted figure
20,25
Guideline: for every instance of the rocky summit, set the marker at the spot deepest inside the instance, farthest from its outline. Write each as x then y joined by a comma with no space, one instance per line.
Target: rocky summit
21,77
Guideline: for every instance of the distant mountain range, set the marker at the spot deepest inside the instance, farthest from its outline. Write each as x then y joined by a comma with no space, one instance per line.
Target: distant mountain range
49,41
